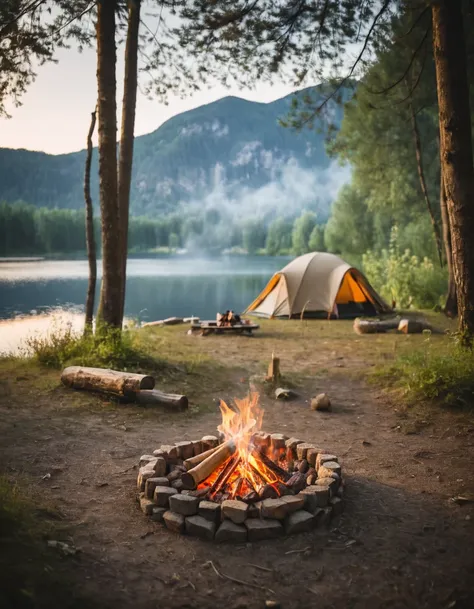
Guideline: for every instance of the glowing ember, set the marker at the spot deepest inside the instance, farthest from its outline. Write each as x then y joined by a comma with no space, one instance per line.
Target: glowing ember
246,473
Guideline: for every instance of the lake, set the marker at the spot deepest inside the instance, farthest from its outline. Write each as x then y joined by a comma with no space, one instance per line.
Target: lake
36,293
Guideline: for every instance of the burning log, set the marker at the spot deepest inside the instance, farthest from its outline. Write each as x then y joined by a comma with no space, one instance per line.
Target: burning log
268,492
200,472
193,461
121,384
271,465
251,497
225,474
297,482
158,398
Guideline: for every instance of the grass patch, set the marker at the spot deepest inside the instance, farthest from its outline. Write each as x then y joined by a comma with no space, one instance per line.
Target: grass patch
443,373
62,346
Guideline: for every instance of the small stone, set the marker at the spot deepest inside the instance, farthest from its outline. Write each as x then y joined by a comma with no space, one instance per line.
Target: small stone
316,497
234,510
210,511
174,522
294,502
174,475
169,451
162,495
177,484
324,458
302,450
209,442
274,508
160,466
272,604
277,441
329,468
322,517
143,474
261,439
159,453
200,527
263,529
152,483
328,482
292,443
185,450
337,505
284,394
146,506
321,402
311,479
184,504
299,522
158,513
312,455
144,459
197,448
229,531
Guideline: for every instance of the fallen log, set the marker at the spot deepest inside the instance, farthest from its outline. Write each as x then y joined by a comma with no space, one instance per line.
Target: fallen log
412,326
121,384
200,472
375,326
155,397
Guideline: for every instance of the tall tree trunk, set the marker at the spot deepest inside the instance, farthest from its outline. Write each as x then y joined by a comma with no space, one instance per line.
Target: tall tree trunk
456,150
90,238
110,311
451,305
127,133
424,189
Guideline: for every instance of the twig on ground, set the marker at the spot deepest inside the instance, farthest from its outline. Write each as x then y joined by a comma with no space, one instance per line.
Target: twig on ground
298,551
238,581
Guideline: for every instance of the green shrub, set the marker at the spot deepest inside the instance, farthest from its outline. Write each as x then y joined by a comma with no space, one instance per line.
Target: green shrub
445,375
111,349
408,280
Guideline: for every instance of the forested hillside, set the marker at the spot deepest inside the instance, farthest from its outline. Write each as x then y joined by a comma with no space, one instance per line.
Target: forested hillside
230,153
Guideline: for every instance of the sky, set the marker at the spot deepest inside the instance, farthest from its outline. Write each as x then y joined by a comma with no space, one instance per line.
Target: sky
55,112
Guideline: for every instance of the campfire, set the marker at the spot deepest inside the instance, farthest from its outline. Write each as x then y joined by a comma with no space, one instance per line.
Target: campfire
242,469
244,484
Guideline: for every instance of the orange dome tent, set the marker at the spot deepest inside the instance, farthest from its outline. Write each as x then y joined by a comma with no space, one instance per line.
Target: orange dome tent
318,285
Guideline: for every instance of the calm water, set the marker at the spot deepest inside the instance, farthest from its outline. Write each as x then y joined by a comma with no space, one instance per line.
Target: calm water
35,293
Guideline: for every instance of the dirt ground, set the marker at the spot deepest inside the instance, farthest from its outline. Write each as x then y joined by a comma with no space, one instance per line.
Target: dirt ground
401,542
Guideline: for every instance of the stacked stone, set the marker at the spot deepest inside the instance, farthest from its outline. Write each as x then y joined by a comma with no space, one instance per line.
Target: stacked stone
314,502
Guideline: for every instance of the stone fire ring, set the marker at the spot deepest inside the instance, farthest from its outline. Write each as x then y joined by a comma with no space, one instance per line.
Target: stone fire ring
164,500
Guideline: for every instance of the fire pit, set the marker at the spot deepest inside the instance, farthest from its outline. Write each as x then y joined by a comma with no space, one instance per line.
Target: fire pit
242,485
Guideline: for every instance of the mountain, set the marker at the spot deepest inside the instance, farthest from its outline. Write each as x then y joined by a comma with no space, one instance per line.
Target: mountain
231,152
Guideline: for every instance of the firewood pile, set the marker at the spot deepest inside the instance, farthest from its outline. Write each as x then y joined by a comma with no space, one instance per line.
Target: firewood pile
241,485
229,318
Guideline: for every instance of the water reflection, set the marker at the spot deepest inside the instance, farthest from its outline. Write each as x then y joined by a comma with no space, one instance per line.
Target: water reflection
156,288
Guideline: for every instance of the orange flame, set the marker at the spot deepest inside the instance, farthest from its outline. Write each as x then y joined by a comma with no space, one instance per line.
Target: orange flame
244,471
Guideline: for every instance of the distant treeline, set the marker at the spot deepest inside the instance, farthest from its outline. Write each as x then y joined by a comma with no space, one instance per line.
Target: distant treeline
26,229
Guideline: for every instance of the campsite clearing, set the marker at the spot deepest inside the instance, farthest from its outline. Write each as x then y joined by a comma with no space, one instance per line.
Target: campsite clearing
402,541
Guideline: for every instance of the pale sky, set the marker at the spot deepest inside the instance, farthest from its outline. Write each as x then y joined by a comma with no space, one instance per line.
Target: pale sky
56,109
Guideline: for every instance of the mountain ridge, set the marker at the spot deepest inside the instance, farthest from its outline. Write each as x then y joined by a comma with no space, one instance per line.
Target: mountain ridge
221,149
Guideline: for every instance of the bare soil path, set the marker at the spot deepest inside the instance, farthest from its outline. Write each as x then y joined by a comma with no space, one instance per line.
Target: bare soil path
401,543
